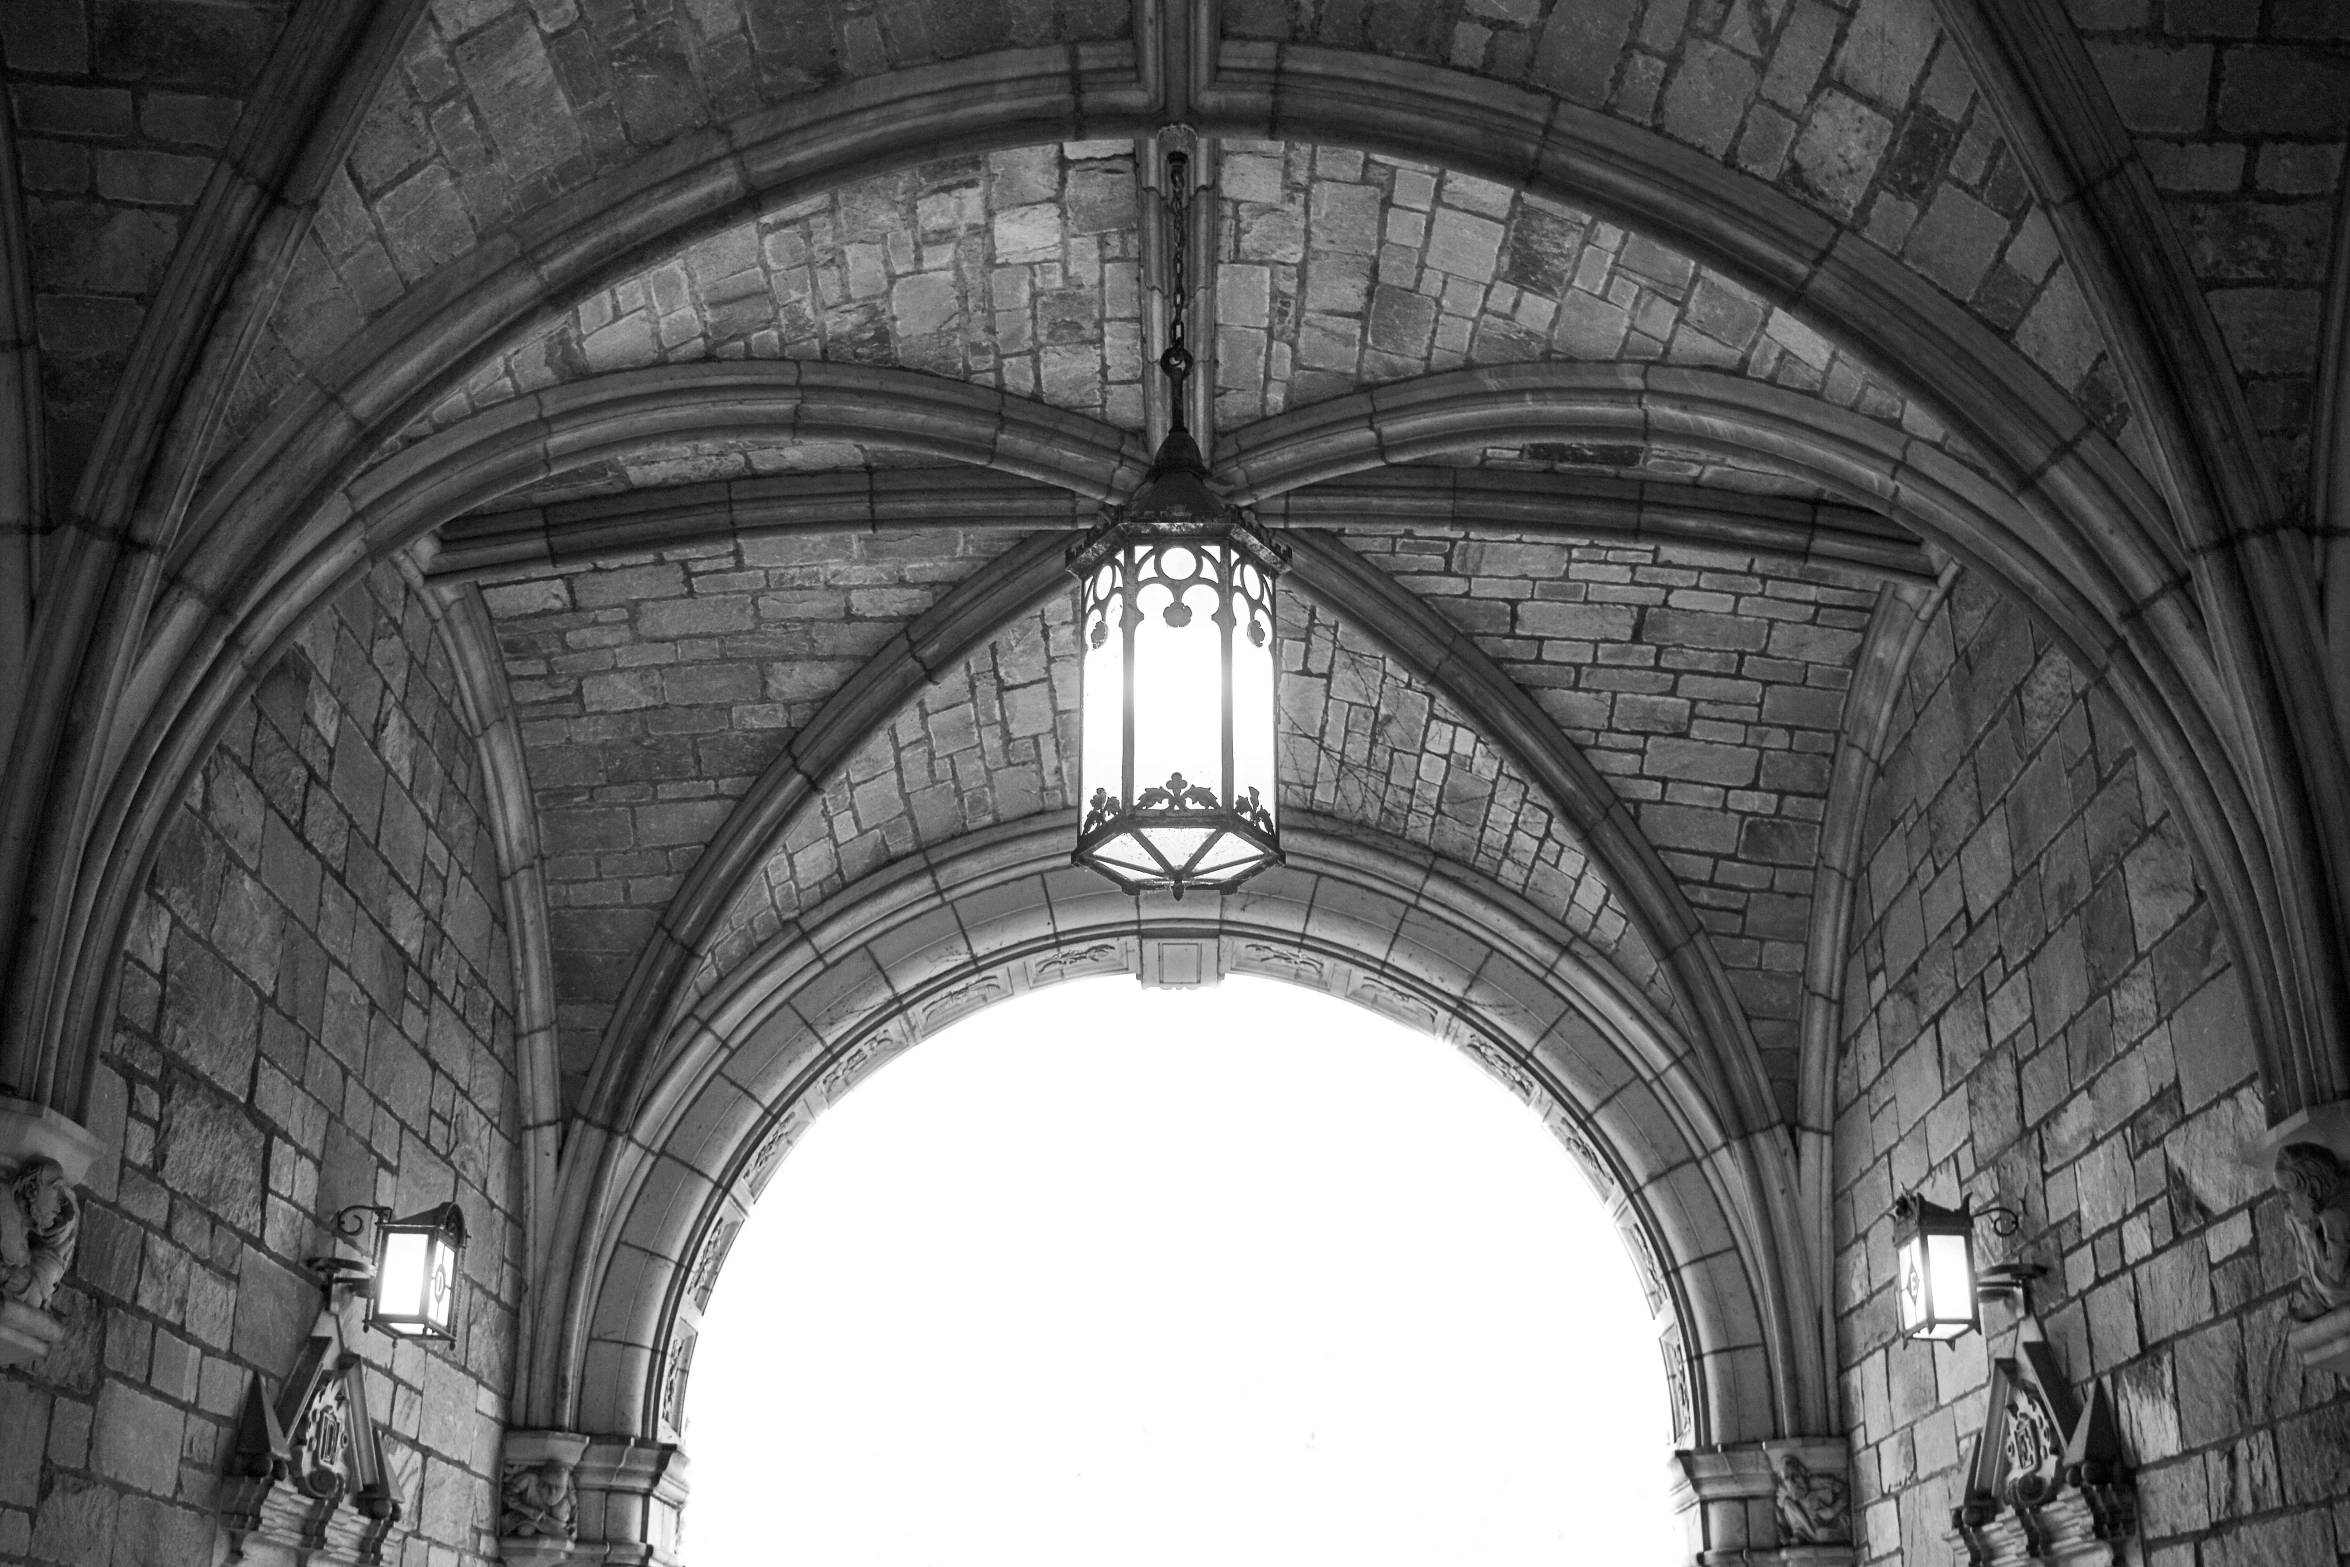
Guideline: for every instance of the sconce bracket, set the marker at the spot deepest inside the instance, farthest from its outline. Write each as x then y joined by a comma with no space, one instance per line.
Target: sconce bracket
297,1461
2047,1483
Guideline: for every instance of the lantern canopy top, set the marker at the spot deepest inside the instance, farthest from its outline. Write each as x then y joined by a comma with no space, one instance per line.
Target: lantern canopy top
1175,501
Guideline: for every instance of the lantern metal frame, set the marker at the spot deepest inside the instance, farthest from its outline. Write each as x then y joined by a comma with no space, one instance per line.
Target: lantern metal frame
1178,535
1924,1233
442,1225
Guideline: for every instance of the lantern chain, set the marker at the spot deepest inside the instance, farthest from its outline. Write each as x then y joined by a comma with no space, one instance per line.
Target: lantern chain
1176,361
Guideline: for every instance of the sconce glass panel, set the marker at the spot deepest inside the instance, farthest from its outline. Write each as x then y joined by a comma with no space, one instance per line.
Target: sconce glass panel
417,1274
1934,1276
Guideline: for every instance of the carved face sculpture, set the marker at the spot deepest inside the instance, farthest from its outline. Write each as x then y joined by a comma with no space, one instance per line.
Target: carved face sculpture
2307,1175
41,1188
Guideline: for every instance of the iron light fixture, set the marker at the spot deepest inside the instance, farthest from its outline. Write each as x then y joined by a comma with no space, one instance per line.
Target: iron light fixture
414,1281
1935,1277
1179,663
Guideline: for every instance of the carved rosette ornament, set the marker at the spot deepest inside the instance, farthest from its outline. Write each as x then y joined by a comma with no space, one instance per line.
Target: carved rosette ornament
44,1158
2047,1484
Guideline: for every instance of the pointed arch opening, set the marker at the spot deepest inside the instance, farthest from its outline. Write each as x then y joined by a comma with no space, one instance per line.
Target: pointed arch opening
1233,1271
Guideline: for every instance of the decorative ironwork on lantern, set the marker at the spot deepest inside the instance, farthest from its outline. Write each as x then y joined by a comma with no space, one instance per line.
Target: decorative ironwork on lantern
1935,1278
1180,663
417,1270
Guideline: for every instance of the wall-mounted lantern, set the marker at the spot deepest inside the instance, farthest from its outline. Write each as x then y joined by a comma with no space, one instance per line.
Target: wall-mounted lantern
1935,1277
412,1285
2047,1480
306,1472
1180,664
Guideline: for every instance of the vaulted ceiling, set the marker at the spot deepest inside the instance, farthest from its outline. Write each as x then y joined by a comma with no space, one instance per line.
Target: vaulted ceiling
1612,351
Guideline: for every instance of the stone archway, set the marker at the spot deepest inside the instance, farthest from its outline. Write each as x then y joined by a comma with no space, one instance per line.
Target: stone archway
926,941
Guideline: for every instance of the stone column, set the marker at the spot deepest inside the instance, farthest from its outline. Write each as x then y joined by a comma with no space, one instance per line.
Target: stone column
631,1498
538,1504
44,1159
1782,1503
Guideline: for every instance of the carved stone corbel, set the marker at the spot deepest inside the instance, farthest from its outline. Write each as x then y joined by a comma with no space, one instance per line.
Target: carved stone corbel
299,1460
2308,1157
44,1159
538,1496
1780,1503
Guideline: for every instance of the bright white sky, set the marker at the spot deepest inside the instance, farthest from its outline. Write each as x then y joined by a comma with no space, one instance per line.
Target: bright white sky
1108,1277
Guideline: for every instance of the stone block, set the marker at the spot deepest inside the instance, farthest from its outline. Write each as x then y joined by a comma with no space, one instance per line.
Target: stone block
2284,92
2156,87
1706,97
1838,152
135,1439
1464,245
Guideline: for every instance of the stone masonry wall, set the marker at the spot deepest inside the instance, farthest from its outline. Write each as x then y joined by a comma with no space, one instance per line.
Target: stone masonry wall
122,108
2040,1011
2239,111
1861,110
1342,269
654,688
315,1010
1708,687
499,107
1015,269
1362,742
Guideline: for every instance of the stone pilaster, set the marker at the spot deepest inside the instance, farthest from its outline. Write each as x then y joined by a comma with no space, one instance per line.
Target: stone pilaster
1783,1503
631,1498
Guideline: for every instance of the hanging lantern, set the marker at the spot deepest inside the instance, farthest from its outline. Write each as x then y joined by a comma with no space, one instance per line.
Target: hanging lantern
1180,664
1934,1268
417,1261
1176,616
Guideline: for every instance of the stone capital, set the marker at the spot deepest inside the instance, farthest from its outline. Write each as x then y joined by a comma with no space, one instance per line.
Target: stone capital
631,1499
1729,1500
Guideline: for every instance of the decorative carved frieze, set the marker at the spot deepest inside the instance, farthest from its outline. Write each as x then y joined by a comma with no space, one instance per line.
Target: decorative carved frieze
44,1158
2047,1484
306,1477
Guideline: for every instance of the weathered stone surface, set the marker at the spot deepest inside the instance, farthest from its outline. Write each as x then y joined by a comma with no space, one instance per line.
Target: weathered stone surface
652,691
1467,272
317,978
1013,269
2241,120
123,109
2029,1037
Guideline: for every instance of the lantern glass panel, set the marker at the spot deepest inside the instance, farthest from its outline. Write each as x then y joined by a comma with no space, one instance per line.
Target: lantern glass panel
1911,1284
1179,670
1103,710
403,1279
1253,682
1950,1264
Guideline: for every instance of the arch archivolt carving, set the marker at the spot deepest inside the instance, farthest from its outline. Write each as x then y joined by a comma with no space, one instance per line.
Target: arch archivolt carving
919,946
